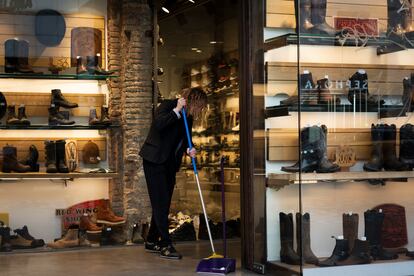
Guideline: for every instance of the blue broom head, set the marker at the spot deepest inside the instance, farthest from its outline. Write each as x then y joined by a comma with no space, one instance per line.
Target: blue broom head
217,266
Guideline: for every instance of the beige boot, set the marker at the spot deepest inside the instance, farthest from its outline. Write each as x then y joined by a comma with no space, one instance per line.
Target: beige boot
70,239
18,242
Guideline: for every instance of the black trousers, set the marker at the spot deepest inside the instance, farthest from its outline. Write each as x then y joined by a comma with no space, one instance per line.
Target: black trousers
160,182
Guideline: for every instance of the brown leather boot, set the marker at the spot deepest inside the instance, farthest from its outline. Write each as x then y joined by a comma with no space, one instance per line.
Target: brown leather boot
303,229
106,216
18,242
10,162
350,228
11,116
86,224
93,118
105,116
71,239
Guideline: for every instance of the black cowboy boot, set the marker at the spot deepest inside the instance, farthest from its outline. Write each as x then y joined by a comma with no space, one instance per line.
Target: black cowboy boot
350,228
80,66
105,116
32,159
92,65
376,162
10,55
303,227
391,162
93,117
287,254
50,150
360,254
21,115
325,166
318,12
11,116
61,156
407,145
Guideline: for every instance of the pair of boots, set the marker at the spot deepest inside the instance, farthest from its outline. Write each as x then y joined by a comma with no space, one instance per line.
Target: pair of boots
91,67
314,152
57,101
56,156
17,57
384,149
312,17
11,164
303,250
104,120
72,238
20,119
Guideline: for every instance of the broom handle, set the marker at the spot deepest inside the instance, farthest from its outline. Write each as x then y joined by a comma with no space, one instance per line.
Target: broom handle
193,161
223,206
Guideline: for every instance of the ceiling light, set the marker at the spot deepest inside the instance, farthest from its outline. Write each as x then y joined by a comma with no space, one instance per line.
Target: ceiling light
165,10
194,49
168,4
199,51
192,1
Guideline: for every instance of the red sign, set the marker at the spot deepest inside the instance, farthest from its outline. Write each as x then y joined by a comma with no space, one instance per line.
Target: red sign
357,26
73,214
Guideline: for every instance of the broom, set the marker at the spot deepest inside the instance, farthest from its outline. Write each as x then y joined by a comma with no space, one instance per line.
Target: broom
215,263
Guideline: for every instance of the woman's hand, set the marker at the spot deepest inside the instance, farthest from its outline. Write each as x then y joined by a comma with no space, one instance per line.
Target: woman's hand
192,152
180,104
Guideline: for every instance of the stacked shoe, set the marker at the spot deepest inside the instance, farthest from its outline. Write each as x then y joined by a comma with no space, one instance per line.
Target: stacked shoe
55,156
57,101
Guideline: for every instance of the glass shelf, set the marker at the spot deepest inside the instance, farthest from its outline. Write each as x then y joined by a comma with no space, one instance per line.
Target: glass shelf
211,133
74,127
63,176
56,77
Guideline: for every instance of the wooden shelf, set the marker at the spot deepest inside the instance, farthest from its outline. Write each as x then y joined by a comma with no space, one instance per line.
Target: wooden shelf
44,175
279,179
56,77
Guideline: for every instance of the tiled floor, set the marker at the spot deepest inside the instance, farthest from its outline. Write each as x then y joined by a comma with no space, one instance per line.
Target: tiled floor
127,260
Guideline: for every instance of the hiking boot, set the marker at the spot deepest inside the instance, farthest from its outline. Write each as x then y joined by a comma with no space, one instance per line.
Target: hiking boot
104,116
169,252
61,157
59,101
50,151
86,224
21,115
32,159
56,118
152,247
24,233
10,163
11,116
70,239
93,118
106,215
18,242
5,245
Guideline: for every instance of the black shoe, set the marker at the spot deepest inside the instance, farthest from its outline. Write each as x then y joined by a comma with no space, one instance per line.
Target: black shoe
169,252
152,247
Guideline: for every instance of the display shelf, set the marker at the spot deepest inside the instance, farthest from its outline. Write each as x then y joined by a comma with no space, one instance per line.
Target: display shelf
401,266
384,45
44,175
55,77
277,179
69,127
211,132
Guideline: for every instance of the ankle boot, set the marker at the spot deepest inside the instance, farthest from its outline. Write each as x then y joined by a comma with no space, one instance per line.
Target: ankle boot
86,224
5,245
305,15
373,227
61,156
391,162
407,145
350,228
21,115
303,227
10,163
339,254
32,159
92,65
377,137
23,65
325,166
93,118
70,239
287,254
308,92
105,116
59,101
106,216
11,116
80,67
10,55
318,18
310,154
55,118
359,255
50,150
358,88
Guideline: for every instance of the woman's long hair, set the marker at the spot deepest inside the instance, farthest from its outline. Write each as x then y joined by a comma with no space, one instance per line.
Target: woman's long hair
196,101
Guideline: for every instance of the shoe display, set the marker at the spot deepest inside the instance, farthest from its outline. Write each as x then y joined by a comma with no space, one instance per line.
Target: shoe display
61,156
339,254
58,100
86,224
350,228
406,155
169,252
56,118
32,159
106,216
51,159
287,254
11,116
21,116
303,234
24,233
93,117
360,254
373,225
70,239
5,245
10,163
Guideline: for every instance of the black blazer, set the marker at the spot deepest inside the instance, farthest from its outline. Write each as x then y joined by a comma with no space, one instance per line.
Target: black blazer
167,132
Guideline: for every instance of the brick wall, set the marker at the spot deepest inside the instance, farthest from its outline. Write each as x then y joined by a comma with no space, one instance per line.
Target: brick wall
130,51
